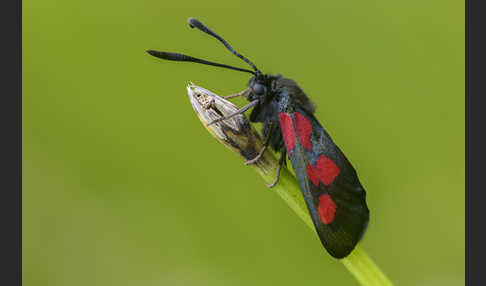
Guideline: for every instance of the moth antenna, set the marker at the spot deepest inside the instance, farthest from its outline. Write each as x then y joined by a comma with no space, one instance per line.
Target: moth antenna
194,23
185,58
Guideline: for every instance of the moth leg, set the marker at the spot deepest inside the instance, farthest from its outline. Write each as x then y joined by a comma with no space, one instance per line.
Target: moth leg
280,163
239,111
265,146
244,92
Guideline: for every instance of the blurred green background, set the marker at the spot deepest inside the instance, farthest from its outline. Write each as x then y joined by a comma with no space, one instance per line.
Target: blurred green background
122,185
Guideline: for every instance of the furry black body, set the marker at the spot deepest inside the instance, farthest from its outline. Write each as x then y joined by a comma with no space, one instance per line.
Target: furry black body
276,88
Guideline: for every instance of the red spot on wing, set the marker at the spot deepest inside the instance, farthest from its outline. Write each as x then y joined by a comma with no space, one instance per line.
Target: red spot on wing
288,131
304,130
325,171
326,209
312,175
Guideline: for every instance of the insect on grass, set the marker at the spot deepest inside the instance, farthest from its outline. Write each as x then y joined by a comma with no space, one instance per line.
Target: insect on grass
335,198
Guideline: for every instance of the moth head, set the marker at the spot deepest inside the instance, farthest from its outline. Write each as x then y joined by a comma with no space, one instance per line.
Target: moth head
259,86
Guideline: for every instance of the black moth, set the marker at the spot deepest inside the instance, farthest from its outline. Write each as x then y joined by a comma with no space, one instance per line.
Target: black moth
334,196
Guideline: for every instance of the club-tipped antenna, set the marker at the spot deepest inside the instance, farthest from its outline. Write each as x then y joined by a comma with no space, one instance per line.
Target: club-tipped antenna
184,58
196,23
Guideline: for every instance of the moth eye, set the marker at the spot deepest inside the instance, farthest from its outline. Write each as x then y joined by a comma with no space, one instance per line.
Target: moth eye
258,89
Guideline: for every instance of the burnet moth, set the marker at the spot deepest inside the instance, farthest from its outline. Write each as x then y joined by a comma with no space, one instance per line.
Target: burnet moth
332,191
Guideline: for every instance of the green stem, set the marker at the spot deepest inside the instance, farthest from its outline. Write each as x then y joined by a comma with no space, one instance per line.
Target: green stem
364,268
